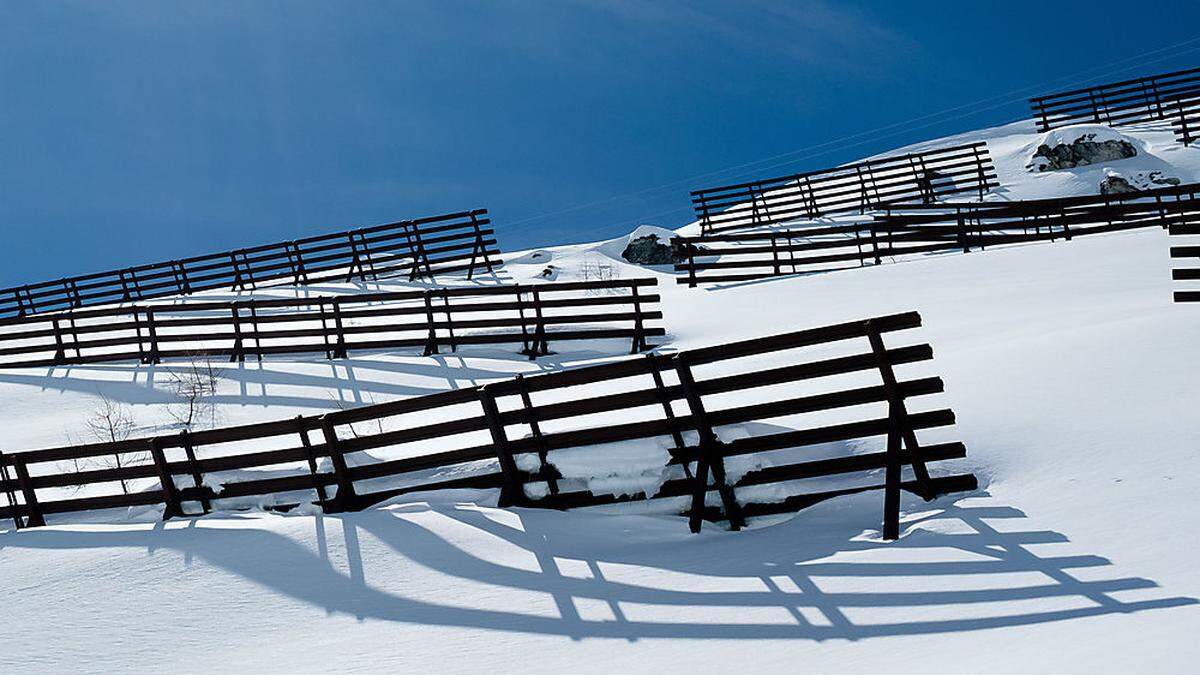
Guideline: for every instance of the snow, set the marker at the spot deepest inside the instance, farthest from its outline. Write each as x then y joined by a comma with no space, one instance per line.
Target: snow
1098,133
1071,372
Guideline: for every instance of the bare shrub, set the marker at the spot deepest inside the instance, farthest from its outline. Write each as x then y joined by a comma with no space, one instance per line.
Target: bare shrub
599,270
194,384
110,421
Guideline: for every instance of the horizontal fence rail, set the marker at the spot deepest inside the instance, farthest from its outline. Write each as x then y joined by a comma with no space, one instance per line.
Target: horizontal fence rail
862,186
907,230
690,428
422,248
1143,99
531,314
1187,259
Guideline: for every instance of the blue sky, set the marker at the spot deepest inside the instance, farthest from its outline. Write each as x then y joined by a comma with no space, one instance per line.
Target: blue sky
138,131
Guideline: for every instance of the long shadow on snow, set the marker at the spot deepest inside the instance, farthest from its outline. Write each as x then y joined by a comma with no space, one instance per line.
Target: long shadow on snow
255,382
797,587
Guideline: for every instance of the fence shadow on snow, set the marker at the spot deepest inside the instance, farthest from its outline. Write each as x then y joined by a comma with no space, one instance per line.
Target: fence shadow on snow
967,568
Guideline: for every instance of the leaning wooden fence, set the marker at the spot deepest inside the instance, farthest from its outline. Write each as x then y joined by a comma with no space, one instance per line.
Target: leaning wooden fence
1143,99
698,420
907,230
421,248
862,186
1187,255
531,314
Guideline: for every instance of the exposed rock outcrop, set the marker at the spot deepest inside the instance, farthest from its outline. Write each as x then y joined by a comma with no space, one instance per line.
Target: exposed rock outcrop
1085,150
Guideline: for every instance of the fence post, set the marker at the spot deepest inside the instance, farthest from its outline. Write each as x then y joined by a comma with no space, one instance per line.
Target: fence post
60,352
355,260
258,351
297,263
185,441
311,456
172,505
899,431
450,322
347,498
711,458
705,224
541,346
33,509
982,177
152,333
478,248
1183,123
513,492
691,254
339,351
774,255
9,494
639,328
548,470
813,210
891,493
239,354
526,348
962,232
664,399
431,341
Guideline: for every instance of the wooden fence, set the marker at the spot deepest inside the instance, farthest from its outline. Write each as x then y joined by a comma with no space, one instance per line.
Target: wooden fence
1185,118
1187,254
531,314
907,230
421,248
862,186
1143,99
699,413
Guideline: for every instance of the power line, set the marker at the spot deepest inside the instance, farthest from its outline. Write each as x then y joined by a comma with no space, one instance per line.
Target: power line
896,128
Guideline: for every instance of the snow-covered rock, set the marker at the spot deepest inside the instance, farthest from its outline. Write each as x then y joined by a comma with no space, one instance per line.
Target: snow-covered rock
1080,145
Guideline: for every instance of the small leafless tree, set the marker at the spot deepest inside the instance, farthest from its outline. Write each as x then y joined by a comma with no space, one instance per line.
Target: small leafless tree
110,421
194,384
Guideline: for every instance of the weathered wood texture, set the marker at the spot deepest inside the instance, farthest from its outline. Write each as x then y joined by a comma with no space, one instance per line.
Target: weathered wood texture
693,407
1143,99
421,248
434,319
859,187
907,230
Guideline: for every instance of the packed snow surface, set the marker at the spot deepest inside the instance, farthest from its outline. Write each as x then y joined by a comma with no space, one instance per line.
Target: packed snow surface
1072,374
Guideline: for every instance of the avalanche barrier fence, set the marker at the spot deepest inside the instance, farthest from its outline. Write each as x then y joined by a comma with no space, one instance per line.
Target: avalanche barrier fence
862,186
1144,99
531,314
1191,254
907,230
697,420
421,248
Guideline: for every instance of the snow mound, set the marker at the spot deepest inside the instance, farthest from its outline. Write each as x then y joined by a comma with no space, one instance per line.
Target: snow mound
614,247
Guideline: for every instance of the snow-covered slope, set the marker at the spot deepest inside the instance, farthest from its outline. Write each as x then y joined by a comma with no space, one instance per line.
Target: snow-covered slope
1073,377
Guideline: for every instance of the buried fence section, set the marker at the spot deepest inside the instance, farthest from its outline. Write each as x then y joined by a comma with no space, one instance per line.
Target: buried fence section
719,433
1142,99
913,229
535,315
1187,261
750,422
859,187
449,244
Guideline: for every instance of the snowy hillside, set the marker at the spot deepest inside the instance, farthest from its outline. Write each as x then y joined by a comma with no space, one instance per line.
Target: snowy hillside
1072,374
